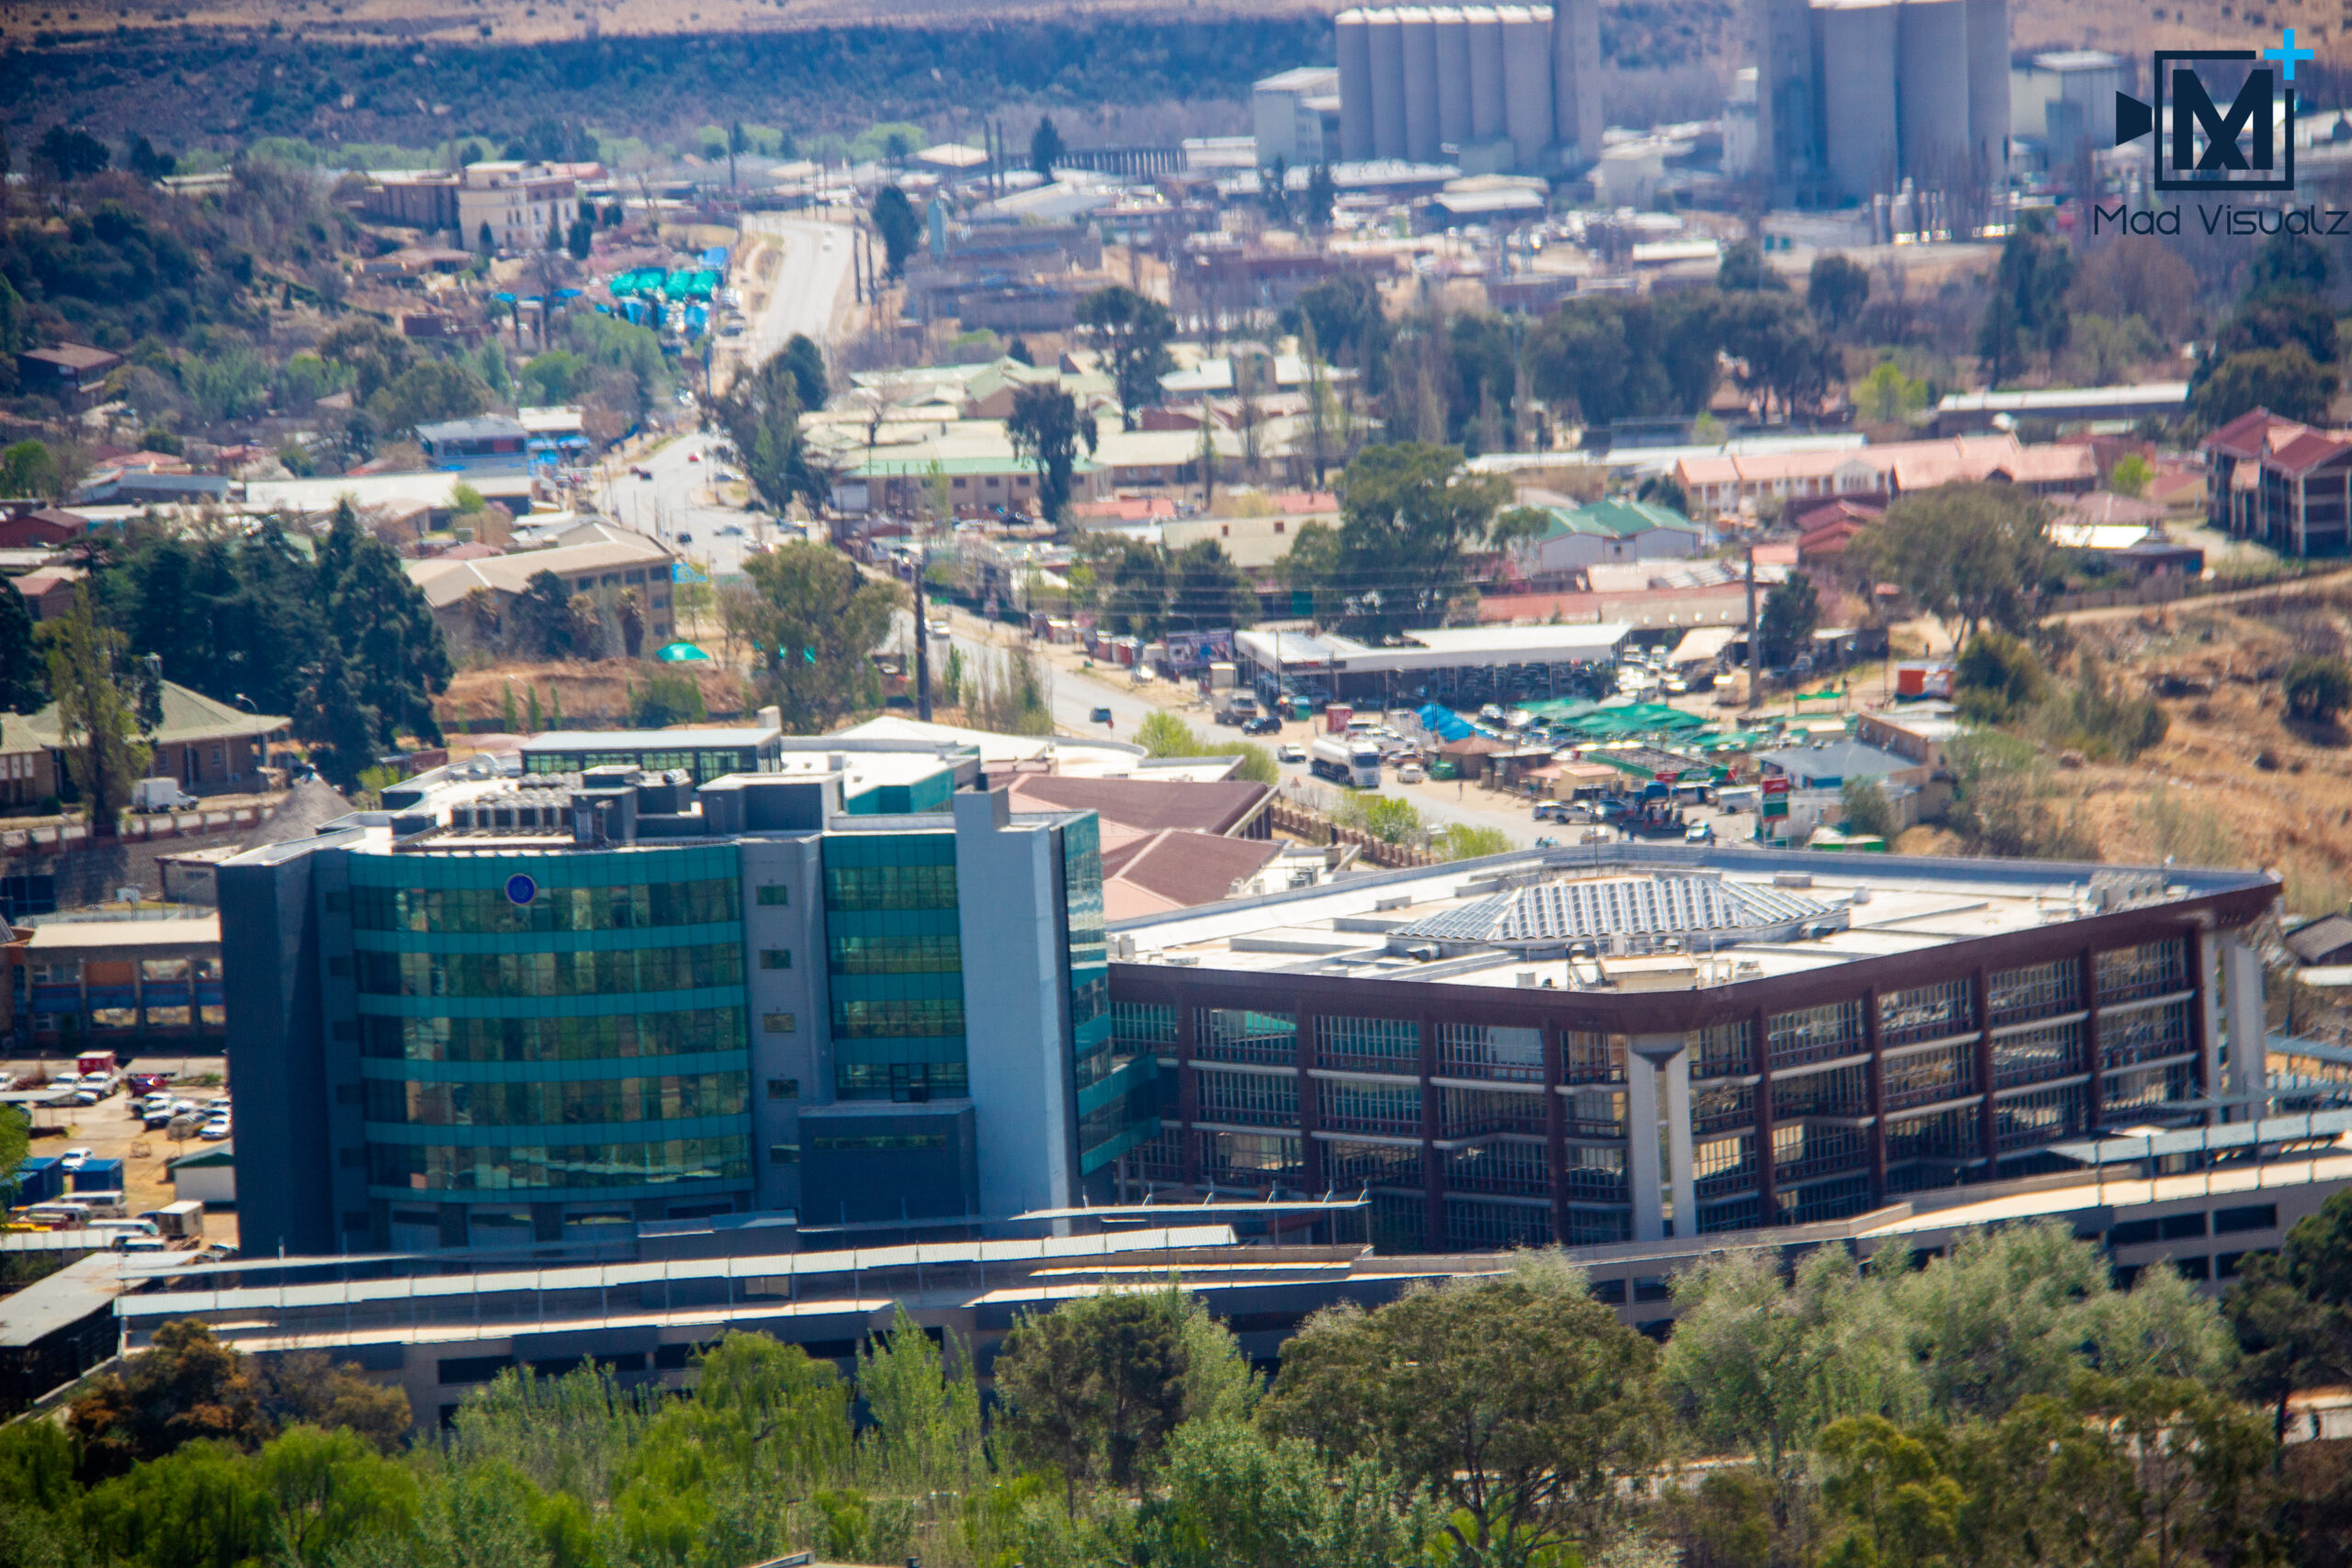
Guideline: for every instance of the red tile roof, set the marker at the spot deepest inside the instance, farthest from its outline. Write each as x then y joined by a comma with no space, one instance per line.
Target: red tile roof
2308,451
1147,805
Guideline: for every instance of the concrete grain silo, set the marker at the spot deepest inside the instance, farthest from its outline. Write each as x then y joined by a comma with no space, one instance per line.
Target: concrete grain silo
1355,86
1386,50
1419,35
1484,25
1989,85
1931,97
1854,49
1527,83
1576,118
1453,75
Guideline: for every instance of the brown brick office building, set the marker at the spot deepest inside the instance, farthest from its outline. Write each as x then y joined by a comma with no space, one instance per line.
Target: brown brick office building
1480,1047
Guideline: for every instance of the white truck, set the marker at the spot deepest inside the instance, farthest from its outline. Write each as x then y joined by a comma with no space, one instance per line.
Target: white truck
1237,706
160,794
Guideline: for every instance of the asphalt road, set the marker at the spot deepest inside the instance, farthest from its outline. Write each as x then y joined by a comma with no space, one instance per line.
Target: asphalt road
812,282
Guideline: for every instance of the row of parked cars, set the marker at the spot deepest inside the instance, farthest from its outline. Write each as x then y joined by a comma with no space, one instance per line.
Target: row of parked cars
159,1110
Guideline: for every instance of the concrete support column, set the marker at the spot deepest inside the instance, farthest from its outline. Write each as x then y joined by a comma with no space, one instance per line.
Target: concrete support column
1657,1085
2207,1020
1642,1173
2247,1027
1678,1167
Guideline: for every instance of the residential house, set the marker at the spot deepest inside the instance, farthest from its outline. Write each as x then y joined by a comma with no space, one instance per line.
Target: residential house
520,203
488,444
34,530
2280,483
203,744
1614,530
72,373
471,597
48,591
1721,484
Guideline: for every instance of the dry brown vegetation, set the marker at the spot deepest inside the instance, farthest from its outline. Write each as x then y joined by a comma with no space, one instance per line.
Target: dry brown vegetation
593,692
2234,779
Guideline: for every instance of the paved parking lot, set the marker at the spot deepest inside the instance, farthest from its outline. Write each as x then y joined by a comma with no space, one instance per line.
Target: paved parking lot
110,1131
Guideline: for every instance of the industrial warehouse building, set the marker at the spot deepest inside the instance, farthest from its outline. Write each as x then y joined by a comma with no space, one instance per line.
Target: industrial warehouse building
1457,665
1857,97
1495,89
1615,1045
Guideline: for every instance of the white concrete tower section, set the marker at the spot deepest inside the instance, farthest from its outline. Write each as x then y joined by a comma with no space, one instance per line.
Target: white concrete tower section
1453,75
1577,116
1989,85
1418,33
1854,43
1931,98
1527,84
1484,25
1355,86
1386,52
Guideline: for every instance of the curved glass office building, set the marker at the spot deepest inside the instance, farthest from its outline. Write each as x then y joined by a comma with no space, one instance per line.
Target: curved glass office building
541,1008
552,1028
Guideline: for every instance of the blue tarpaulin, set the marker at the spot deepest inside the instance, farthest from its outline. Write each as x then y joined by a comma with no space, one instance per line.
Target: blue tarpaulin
1444,723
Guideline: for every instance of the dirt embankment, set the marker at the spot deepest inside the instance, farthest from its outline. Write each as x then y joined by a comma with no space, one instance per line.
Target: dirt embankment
575,695
2235,778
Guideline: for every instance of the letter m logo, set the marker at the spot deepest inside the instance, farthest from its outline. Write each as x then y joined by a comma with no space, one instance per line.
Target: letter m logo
2193,111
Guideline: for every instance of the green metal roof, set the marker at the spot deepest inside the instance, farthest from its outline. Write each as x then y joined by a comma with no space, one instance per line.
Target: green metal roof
1616,519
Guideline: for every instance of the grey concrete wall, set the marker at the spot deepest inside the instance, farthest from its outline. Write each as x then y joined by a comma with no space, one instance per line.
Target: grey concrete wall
791,1043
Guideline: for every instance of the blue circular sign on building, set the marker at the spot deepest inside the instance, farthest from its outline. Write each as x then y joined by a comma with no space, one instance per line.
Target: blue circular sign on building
521,889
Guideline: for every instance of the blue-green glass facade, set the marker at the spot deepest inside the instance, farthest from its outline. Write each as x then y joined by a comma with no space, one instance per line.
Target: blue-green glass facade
895,966
588,1043
1117,1091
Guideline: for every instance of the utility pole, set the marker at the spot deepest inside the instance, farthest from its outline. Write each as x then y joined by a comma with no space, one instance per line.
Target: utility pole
923,637
1754,639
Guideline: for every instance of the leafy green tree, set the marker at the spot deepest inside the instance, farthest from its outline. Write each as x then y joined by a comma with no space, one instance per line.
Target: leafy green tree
1134,588
1322,195
2316,688
1966,554
1791,612
28,467
807,364
1162,734
1760,1367
430,391
1207,592
2131,475
760,410
189,1387
815,621
1238,1499
1836,290
664,699
2291,1310
1615,358
65,154
2289,264
1133,331
1867,809
925,1414
1463,841
1779,349
374,355
385,629
1046,148
89,678
1095,1388
1892,1493
1519,1402
326,1489
901,228
1996,678
21,686
1410,517
1743,270
1045,428
2025,313
2284,381
581,239
1350,324
202,1505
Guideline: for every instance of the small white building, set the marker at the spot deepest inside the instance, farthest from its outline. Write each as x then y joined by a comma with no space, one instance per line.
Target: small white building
208,1173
